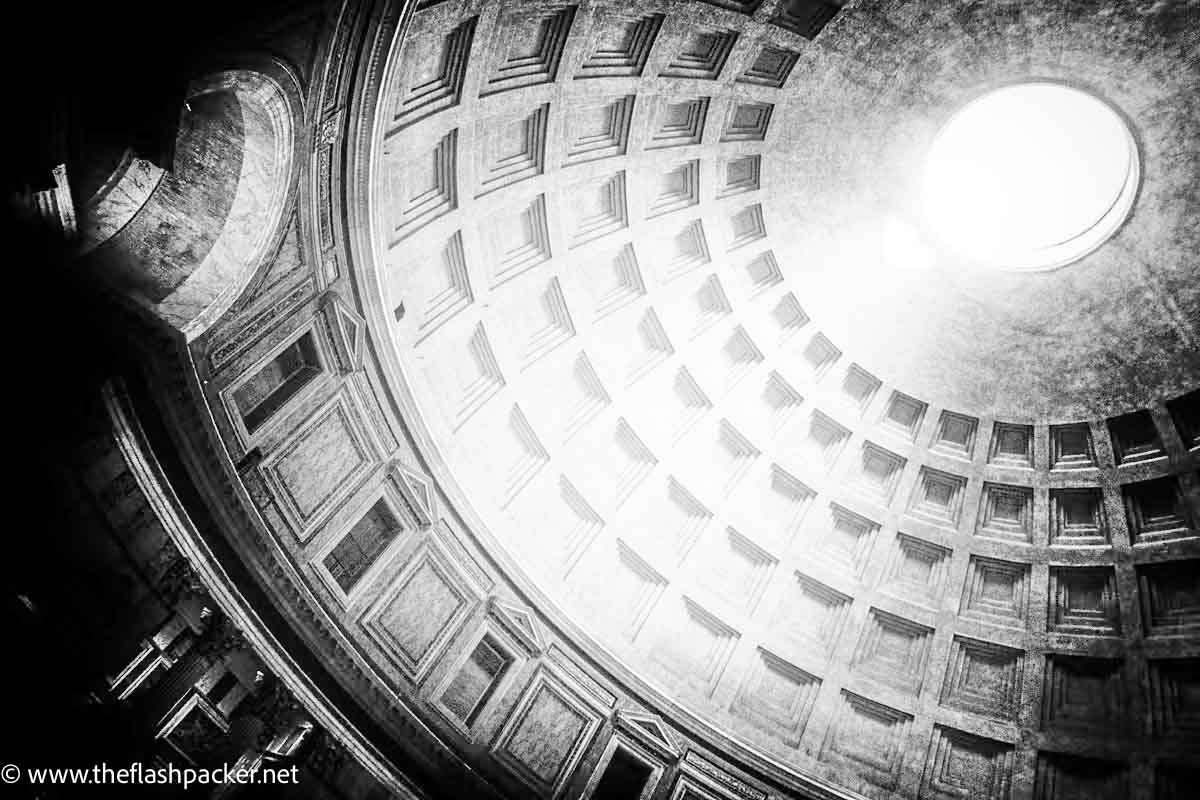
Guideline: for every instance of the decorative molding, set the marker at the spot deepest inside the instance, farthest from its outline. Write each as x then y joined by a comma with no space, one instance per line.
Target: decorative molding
917,569
701,768
599,209
511,151
996,591
650,347
424,608
520,243
428,188
622,281
678,188
820,354
806,18
984,678
742,174
879,471
964,765
711,305
246,333
868,737
650,731
487,380
771,67
893,651
1006,513
335,431
1170,597
622,45
787,314
938,497
433,76
690,250
1059,776
747,122
556,327
547,733
777,696
679,122
454,294
599,130
812,616
598,693
1173,688
416,489
346,331
1012,445
697,649
520,623
593,397
531,456
702,54
1082,693
1083,600
531,48
747,226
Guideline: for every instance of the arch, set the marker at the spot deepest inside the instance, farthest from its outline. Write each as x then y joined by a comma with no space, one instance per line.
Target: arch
185,244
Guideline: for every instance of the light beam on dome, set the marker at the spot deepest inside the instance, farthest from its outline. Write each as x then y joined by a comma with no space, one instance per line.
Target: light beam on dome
1029,177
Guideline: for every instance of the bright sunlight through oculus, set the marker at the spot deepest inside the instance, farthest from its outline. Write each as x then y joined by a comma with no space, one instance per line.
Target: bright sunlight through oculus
1030,177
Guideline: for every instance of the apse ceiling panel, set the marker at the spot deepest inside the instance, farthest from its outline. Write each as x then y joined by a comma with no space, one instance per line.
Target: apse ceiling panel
535,317
770,506
806,17
430,76
463,369
511,148
676,188
612,278
696,303
666,405
616,588
777,696
598,128
763,407
740,174
814,444
715,457
557,525
568,393
691,645
771,67
609,462
700,53
437,285
665,521
527,48
729,356
733,571
621,45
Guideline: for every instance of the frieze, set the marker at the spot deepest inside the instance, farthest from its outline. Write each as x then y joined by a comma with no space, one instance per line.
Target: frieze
722,778
223,353
568,665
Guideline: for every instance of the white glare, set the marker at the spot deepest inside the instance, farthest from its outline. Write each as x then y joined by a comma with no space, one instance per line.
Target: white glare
903,247
1030,177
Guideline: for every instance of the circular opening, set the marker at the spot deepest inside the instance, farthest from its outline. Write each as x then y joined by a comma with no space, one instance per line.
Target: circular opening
1030,177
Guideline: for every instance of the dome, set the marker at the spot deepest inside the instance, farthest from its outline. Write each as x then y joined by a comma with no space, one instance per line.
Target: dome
700,399
687,354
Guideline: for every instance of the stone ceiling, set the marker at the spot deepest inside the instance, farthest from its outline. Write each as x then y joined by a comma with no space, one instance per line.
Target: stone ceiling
630,264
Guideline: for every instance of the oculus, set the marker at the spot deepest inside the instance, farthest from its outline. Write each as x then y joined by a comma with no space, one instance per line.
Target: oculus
1031,176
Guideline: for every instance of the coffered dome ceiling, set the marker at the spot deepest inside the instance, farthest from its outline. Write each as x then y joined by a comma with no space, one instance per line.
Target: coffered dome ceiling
651,282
